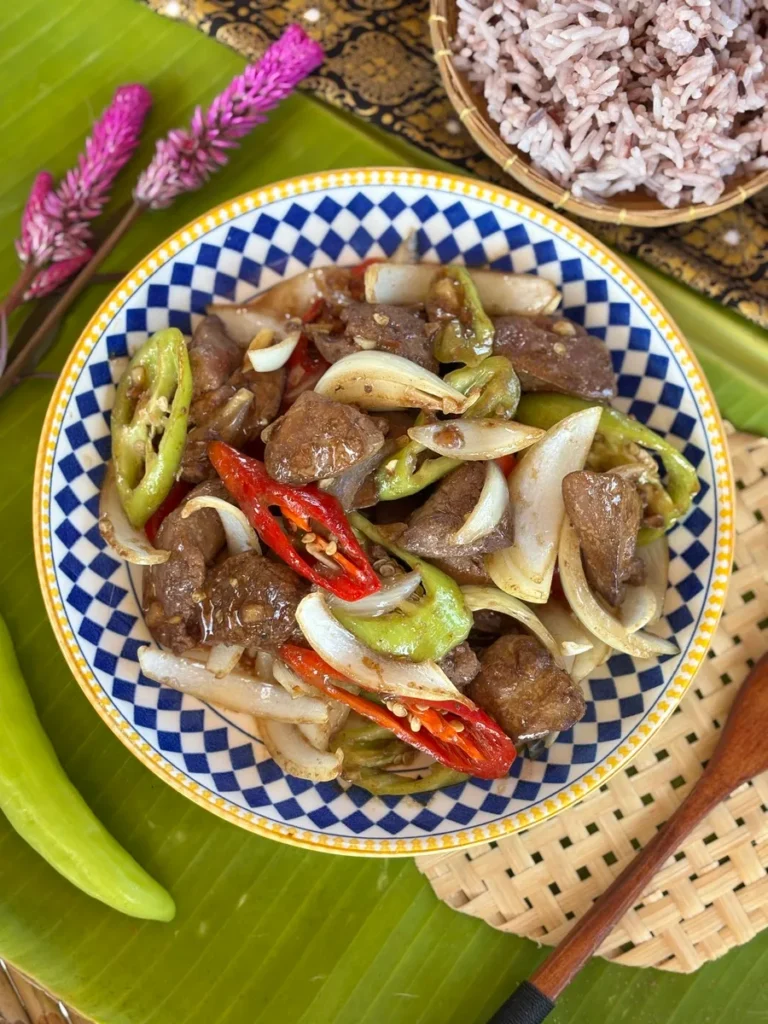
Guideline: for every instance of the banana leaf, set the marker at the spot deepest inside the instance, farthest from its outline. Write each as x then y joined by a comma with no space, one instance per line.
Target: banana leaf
264,932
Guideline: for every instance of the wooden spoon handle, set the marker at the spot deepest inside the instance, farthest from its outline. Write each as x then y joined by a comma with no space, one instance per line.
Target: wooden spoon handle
534,999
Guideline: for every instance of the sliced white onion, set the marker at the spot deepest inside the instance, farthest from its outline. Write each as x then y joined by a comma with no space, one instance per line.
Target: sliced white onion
265,665
489,510
237,691
584,664
292,683
407,252
475,440
501,294
318,735
536,499
125,540
392,593
295,754
565,627
592,614
227,422
388,676
637,609
223,659
291,297
240,535
243,324
644,605
482,598
383,381
295,685
263,360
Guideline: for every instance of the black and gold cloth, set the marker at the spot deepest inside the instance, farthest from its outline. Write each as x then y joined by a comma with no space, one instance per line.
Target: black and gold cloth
379,65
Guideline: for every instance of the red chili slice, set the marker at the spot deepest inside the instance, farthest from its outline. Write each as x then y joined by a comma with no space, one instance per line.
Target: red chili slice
462,737
254,490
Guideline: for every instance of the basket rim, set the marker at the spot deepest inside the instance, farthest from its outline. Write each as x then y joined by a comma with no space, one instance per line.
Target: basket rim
516,164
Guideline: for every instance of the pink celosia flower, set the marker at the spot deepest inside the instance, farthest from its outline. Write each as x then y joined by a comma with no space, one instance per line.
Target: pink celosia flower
55,224
186,158
55,274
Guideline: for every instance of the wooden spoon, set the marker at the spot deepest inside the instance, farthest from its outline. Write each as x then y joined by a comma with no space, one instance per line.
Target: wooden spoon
741,753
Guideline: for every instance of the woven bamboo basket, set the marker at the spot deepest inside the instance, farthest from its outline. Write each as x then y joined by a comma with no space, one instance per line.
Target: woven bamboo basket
640,209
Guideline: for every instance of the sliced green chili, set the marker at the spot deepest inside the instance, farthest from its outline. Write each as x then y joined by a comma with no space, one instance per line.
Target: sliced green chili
404,474
466,332
498,384
438,622
47,811
149,423
383,783
365,744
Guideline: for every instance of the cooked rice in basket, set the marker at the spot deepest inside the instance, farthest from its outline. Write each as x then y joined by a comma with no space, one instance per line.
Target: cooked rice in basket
606,97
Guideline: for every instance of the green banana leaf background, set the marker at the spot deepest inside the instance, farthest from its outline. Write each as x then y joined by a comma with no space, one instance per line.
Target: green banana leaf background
264,932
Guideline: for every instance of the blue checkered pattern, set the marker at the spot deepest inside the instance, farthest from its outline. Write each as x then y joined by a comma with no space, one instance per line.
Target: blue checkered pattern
231,262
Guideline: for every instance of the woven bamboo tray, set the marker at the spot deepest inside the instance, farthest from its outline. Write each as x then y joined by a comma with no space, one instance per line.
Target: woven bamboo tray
626,208
22,1002
713,894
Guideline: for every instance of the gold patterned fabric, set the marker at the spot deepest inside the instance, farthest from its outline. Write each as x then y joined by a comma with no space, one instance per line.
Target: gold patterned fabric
379,65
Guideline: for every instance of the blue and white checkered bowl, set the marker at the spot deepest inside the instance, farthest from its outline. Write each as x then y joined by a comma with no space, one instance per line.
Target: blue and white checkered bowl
245,246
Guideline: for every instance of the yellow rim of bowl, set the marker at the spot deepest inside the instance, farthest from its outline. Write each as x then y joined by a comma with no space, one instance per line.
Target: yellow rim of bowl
462,187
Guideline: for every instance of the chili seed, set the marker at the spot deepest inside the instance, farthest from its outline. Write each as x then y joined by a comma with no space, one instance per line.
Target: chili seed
414,723
564,328
398,709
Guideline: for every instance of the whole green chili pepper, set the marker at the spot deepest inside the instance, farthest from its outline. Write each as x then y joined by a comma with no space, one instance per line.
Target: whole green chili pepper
149,423
48,812
402,475
440,620
383,783
544,409
499,387
466,332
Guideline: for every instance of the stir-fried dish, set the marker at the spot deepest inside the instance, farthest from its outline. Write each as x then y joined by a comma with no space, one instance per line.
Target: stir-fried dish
389,512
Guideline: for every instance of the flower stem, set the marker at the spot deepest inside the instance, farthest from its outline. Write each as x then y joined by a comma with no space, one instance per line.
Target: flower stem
20,362
15,296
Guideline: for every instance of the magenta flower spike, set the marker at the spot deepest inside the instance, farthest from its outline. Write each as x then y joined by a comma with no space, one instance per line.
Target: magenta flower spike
186,158
38,230
55,274
82,194
55,224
